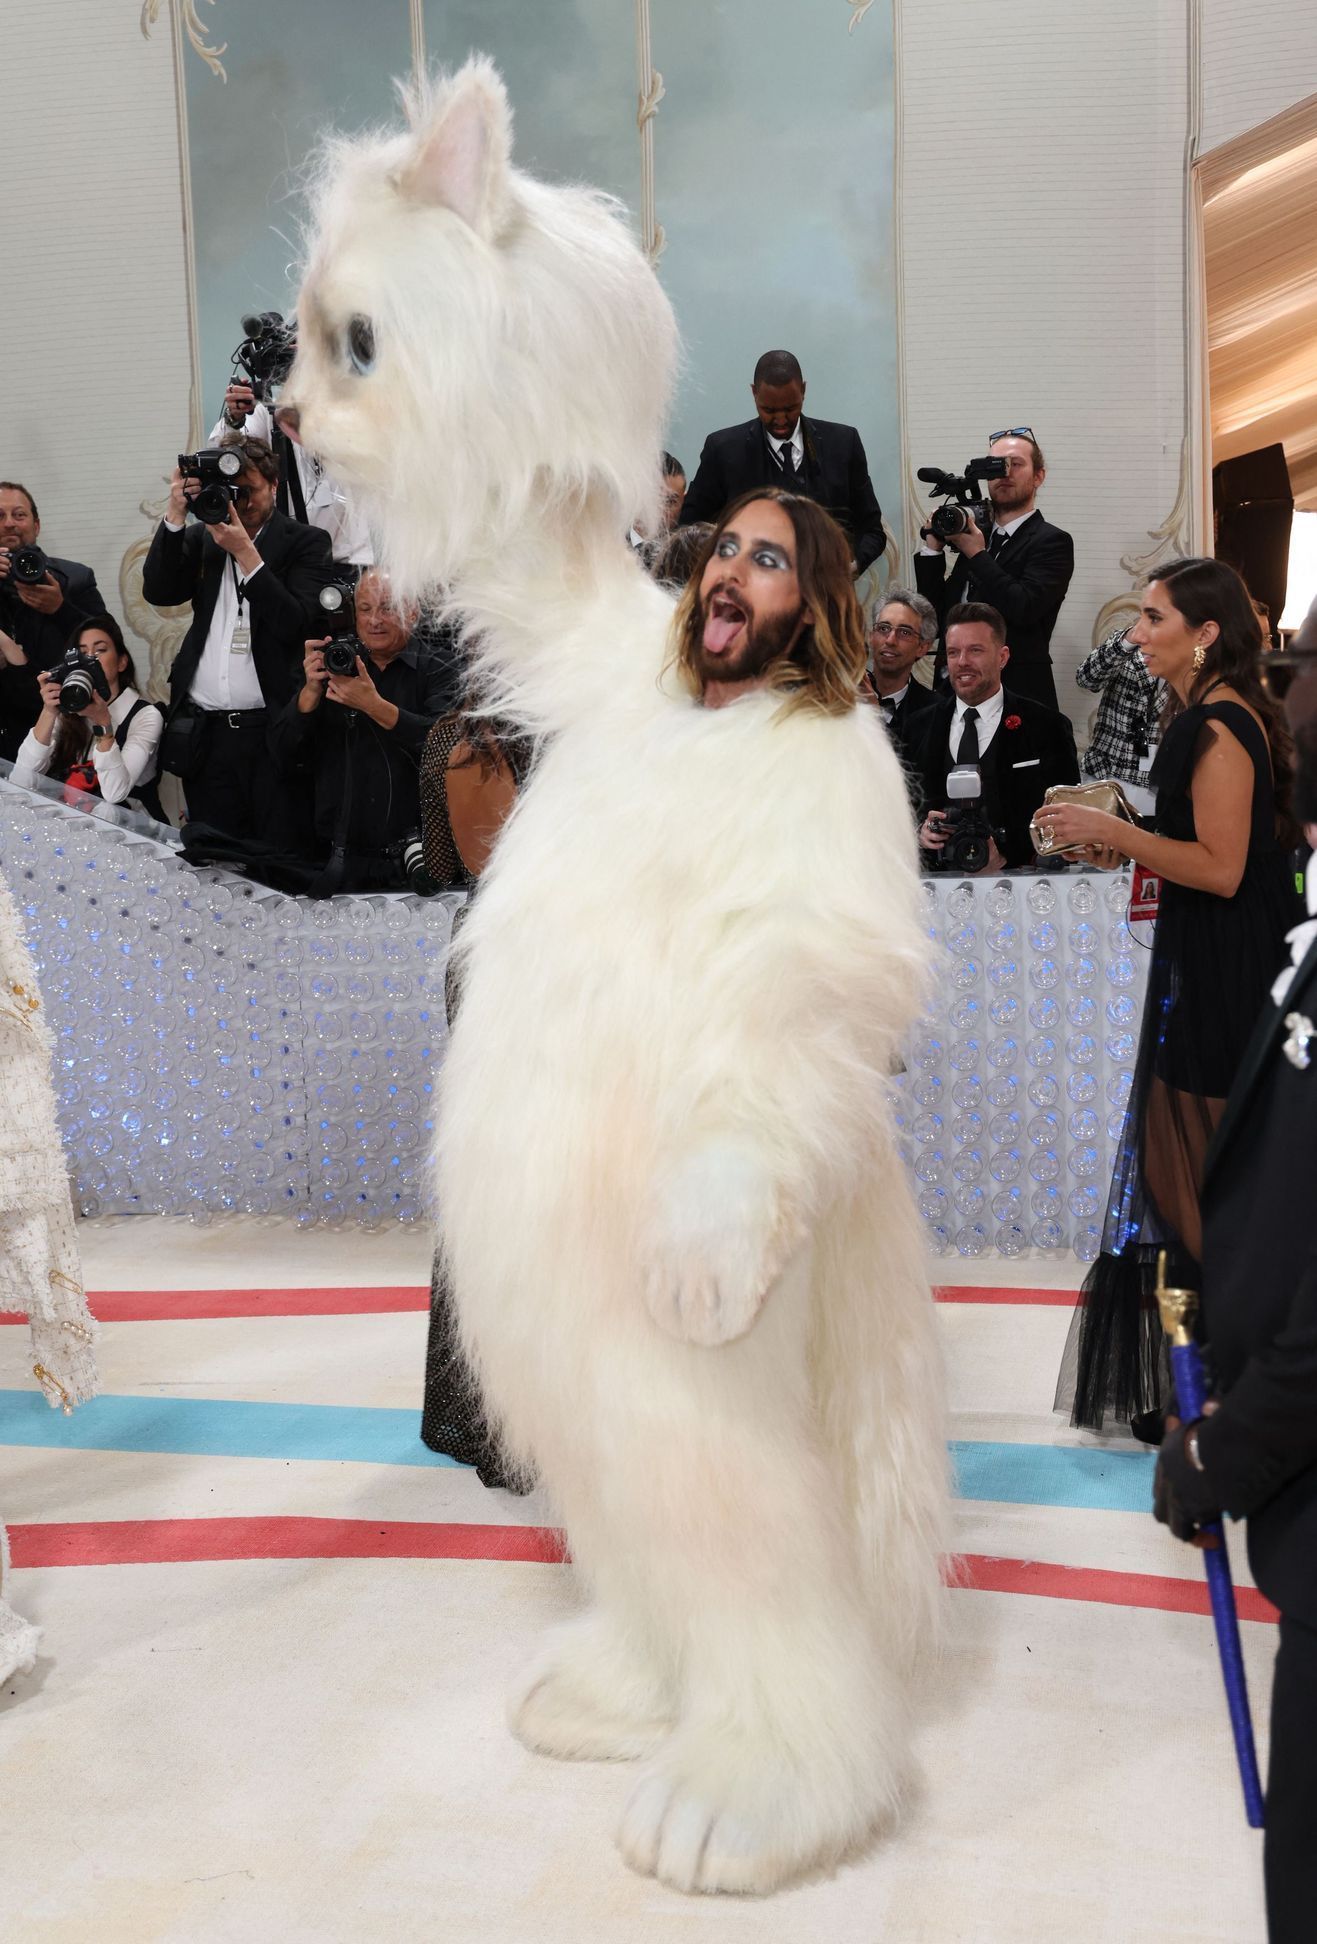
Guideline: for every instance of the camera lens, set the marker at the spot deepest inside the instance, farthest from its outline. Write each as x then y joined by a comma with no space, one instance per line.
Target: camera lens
75,692
341,657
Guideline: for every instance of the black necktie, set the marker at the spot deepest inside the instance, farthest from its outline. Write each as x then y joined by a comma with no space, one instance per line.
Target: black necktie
888,708
969,738
997,542
788,462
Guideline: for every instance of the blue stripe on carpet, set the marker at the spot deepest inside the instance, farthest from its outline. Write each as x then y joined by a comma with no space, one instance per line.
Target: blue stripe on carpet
1085,1478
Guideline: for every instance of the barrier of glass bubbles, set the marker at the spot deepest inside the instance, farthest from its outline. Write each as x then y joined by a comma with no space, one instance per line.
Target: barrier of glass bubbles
221,1048
1013,1098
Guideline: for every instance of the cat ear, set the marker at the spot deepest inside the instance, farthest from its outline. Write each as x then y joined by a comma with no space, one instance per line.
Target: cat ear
461,155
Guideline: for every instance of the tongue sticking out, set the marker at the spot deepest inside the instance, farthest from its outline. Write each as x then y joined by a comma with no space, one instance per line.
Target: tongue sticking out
720,630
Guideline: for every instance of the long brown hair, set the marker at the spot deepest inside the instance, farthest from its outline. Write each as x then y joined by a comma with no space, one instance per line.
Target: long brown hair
825,669
73,736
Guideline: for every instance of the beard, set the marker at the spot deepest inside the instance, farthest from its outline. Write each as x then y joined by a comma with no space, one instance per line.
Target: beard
761,642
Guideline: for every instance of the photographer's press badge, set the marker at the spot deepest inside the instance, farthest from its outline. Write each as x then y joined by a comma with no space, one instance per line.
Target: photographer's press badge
241,642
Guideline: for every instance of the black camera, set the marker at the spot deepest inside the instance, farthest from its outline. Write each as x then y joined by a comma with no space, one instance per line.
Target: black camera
411,856
965,504
265,356
338,608
81,679
217,468
28,565
965,822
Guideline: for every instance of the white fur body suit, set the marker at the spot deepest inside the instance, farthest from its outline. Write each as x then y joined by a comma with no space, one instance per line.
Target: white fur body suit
683,1250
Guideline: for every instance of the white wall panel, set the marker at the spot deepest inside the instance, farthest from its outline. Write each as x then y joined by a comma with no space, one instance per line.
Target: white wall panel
1259,58
1042,229
94,401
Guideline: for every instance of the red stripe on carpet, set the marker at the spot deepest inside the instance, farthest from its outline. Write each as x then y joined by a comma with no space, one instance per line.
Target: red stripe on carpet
145,1542
1039,1298
142,1542
191,1305
984,1574
184,1305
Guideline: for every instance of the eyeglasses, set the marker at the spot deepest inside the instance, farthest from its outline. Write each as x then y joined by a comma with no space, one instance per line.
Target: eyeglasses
1011,432
885,631
1280,668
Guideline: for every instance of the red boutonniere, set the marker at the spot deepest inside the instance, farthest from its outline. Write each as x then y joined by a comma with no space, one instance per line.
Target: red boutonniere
1011,722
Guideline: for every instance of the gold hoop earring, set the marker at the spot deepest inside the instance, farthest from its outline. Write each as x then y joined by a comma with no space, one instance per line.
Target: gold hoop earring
1200,656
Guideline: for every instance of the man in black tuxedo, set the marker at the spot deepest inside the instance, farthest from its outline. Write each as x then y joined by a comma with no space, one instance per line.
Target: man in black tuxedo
778,447
253,581
36,619
1020,747
1255,1454
1022,569
903,629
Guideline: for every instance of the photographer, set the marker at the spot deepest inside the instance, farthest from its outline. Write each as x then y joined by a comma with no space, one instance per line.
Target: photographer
106,744
1019,748
358,737
41,598
260,365
252,577
1023,567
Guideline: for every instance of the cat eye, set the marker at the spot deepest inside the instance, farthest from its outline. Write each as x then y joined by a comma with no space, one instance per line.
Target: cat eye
361,345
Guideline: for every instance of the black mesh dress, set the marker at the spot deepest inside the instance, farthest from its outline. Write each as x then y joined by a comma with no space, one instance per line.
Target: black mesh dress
1213,962
453,1417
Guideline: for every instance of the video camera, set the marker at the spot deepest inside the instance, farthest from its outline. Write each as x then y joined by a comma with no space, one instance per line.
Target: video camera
338,608
217,468
965,822
80,678
964,502
28,565
265,356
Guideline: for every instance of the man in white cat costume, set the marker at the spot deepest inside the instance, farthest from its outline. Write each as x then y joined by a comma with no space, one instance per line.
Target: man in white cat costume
683,1253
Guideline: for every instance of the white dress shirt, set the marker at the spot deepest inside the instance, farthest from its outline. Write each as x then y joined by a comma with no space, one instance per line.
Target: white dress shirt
327,505
226,676
118,771
987,725
796,443
1299,940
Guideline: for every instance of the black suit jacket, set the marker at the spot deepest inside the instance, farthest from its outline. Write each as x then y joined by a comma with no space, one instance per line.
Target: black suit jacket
43,639
1260,1304
836,474
1026,583
1033,748
282,598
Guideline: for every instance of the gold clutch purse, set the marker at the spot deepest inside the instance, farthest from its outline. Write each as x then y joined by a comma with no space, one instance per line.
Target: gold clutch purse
1108,796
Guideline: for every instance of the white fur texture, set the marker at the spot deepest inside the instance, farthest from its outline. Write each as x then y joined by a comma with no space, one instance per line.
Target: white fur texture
684,1253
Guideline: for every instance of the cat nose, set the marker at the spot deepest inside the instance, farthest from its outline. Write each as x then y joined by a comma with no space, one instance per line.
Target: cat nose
288,419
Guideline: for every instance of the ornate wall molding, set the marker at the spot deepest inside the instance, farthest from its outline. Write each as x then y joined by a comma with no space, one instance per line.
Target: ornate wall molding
186,12
416,13
859,8
650,93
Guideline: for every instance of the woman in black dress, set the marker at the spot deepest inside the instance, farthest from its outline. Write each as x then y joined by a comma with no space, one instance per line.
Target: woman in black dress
1219,843
471,770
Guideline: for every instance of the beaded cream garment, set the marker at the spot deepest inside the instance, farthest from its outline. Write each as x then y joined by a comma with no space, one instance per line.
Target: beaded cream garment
40,1271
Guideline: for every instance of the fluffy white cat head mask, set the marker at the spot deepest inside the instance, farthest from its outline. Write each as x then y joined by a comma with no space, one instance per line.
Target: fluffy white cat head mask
479,354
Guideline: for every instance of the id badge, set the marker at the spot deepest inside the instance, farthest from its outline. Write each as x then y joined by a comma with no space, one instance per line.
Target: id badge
241,643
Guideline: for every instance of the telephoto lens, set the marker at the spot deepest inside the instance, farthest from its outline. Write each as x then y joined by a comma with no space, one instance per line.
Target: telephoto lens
411,855
28,565
81,678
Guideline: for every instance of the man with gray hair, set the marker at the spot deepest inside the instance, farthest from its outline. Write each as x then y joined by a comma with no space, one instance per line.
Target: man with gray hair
903,627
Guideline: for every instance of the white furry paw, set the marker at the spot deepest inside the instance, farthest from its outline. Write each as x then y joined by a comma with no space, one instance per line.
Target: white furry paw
718,1240
586,1698
745,1824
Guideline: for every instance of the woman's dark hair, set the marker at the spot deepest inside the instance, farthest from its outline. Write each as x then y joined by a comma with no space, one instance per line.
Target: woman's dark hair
1208,590
73,736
